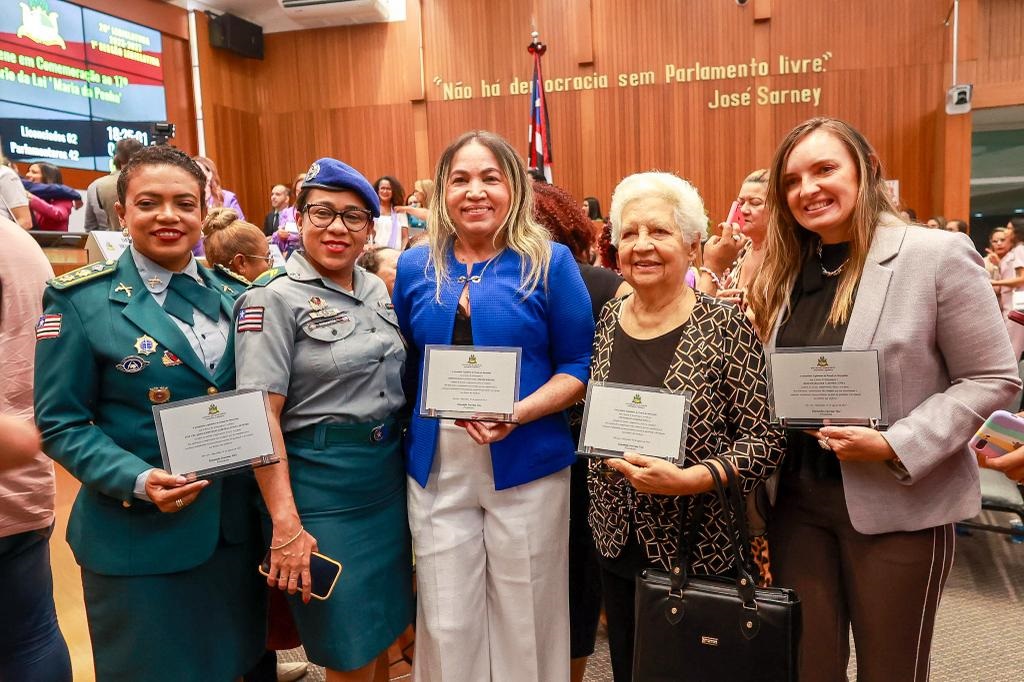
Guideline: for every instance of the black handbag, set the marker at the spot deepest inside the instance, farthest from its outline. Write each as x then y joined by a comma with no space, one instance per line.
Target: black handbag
709,628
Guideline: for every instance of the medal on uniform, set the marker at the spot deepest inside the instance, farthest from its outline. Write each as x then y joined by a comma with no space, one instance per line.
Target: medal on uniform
170,359
121,286
319,309
132,364
159,395
228,290
317,303
145,345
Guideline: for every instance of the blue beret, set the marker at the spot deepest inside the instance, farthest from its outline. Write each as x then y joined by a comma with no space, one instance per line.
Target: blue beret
331,174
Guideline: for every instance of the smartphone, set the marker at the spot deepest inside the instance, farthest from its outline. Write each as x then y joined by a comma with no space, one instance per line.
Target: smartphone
735,214
323,572
1001,433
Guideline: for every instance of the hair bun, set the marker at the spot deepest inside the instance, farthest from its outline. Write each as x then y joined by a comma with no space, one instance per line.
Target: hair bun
218,219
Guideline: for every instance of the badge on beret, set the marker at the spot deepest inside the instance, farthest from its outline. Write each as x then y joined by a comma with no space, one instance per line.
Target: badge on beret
158,395
48,326
250,319
145,345
170,359
132,364
313,171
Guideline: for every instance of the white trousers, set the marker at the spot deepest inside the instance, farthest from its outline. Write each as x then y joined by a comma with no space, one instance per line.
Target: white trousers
491,571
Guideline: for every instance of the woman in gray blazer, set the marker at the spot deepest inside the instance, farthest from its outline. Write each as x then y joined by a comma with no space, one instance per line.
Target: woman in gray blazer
862,527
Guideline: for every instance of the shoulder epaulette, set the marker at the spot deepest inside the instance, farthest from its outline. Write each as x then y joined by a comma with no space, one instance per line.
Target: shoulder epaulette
228,272
83,274
268,277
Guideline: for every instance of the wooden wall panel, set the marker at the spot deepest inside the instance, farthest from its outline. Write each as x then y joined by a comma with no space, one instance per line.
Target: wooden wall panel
354,91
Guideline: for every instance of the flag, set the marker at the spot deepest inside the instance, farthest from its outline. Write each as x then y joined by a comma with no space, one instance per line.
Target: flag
539,156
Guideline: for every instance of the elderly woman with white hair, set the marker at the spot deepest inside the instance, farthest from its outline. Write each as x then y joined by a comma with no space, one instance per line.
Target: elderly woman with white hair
666,334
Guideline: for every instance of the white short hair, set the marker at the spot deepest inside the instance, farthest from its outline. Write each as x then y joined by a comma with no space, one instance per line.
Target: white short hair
687,206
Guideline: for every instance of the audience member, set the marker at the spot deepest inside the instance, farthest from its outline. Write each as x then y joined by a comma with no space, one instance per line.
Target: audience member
31,644
280,197
727,270
592,208
101,195
491,277
863,525
381,261
216,195
13,198
391,229
53,214
557,212
938,222
659,336
956,225
1011,281
168,564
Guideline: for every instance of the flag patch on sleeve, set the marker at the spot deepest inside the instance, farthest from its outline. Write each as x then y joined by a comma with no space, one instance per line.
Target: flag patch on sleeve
48,326
250,319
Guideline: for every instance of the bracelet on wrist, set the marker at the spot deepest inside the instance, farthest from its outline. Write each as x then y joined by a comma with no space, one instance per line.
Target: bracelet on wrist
289,541
712,275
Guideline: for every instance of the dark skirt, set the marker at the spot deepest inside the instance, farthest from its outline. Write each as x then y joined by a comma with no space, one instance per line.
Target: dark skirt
207,623
349,487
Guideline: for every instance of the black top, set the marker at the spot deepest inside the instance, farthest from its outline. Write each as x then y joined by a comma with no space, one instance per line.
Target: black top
462,332
641,362
601,284
807,325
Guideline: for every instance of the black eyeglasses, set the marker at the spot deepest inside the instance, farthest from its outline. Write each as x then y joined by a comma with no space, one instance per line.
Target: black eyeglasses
322,217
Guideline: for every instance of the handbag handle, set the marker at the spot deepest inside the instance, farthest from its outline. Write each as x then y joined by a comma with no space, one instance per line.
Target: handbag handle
732,508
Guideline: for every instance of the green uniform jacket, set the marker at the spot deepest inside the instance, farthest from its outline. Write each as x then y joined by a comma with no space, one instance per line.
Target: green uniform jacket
96,382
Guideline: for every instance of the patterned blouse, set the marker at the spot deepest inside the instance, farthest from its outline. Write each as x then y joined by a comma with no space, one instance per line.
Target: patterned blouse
720,360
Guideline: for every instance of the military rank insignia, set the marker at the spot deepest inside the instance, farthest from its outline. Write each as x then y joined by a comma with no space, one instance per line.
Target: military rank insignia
48,326
250,319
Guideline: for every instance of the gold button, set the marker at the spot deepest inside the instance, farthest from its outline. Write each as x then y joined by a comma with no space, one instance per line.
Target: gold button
126,504
211,390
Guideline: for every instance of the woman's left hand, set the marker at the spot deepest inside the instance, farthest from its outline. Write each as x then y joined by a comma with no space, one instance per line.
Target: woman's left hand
652,475
854,443
486,433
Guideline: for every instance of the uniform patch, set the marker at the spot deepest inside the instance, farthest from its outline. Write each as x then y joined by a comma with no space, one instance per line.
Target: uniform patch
158,395
132,364
145,345
48,326
170,359
250,319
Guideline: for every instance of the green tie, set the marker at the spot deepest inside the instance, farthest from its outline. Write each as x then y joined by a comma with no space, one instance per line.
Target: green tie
184,294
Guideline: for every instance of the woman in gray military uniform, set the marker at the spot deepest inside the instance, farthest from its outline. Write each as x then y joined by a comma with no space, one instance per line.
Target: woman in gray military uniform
321,336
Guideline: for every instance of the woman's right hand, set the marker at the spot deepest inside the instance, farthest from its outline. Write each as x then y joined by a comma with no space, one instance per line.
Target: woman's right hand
289,565
721,251
172,493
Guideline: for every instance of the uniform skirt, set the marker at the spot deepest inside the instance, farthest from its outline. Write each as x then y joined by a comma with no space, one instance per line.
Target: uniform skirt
207,623
349,486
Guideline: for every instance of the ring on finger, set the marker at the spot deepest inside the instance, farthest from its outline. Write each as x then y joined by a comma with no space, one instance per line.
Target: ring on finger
179,504
736,238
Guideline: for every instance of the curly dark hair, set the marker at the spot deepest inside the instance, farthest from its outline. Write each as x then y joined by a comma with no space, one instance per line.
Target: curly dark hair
160,155
561,215
397,191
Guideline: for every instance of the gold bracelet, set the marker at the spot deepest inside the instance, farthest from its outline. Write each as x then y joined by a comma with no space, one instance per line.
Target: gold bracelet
288,542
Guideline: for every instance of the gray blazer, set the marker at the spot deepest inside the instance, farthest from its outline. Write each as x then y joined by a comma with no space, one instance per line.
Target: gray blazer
925,302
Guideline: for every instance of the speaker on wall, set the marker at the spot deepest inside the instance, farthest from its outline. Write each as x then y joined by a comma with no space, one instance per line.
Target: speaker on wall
237,35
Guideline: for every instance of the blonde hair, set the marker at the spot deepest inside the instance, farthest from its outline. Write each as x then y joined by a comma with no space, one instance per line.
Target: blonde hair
216,192
519,231
224,236
789,245
425,187
687,206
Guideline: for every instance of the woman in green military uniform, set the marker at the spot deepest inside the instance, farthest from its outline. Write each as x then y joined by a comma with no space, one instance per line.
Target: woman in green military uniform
168,566
322,338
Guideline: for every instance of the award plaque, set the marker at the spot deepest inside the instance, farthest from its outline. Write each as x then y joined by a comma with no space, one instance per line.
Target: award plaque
814,387
215,435
621,418
476,383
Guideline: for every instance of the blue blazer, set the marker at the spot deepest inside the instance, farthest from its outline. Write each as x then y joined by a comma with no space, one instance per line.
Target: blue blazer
554,326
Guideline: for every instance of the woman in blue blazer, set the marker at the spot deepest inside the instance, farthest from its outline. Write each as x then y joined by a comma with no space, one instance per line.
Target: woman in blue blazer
488,501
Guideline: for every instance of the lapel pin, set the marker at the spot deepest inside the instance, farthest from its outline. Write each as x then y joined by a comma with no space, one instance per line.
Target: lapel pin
125,288
132,364
170,359
159,395
145,345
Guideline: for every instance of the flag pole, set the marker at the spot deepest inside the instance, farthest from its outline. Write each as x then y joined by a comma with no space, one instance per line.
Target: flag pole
539,150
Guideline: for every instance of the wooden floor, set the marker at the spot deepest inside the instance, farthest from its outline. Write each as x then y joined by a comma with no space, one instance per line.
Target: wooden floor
67,583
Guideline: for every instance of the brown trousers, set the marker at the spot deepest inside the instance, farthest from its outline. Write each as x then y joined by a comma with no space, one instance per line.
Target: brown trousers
887,587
